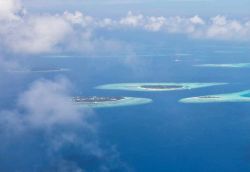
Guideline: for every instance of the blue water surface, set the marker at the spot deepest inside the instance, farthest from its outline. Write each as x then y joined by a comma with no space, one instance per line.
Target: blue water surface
164,136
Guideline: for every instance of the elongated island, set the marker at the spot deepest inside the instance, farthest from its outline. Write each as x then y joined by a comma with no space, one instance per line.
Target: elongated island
243,96
101,102
156,86
40,70
226,65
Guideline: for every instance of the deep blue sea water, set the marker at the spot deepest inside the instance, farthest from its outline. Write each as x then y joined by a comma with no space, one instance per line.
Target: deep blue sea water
164,136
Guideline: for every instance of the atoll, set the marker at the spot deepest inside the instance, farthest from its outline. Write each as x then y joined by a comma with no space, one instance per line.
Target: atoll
243,96
156,86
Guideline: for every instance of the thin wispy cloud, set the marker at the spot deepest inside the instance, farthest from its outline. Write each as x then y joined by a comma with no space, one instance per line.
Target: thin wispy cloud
44,115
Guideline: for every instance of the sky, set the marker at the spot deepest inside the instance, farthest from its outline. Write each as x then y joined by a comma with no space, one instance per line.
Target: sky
150,7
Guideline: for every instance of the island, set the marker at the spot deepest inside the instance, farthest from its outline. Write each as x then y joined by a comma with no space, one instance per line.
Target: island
95,99
51,69
210,97
243,96
161,87
156,86
39,70
227,65
101,102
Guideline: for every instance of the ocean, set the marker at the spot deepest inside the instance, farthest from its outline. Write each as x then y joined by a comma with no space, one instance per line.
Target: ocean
165,135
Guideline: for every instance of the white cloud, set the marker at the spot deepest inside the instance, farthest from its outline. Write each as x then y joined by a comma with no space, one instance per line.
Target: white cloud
48,104
47,123
197,20
132,20
155,23
71,32
36,34
9,9
107,23
219,20
78,18
217,28
223,28
74,32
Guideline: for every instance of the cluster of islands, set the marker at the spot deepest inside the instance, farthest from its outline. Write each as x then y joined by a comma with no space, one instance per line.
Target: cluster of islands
115,101
100,102
156,86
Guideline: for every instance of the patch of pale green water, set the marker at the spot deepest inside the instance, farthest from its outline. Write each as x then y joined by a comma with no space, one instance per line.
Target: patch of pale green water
52,70
243,96
107,102
156,86
226,65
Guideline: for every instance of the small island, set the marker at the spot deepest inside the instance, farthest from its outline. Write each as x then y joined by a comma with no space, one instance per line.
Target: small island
243,96
227,65
101,102
51,69
95,99
161,87
209,97
39,70
156,86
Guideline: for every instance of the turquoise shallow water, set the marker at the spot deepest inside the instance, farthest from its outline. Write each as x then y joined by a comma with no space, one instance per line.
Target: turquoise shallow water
246,95
226,65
